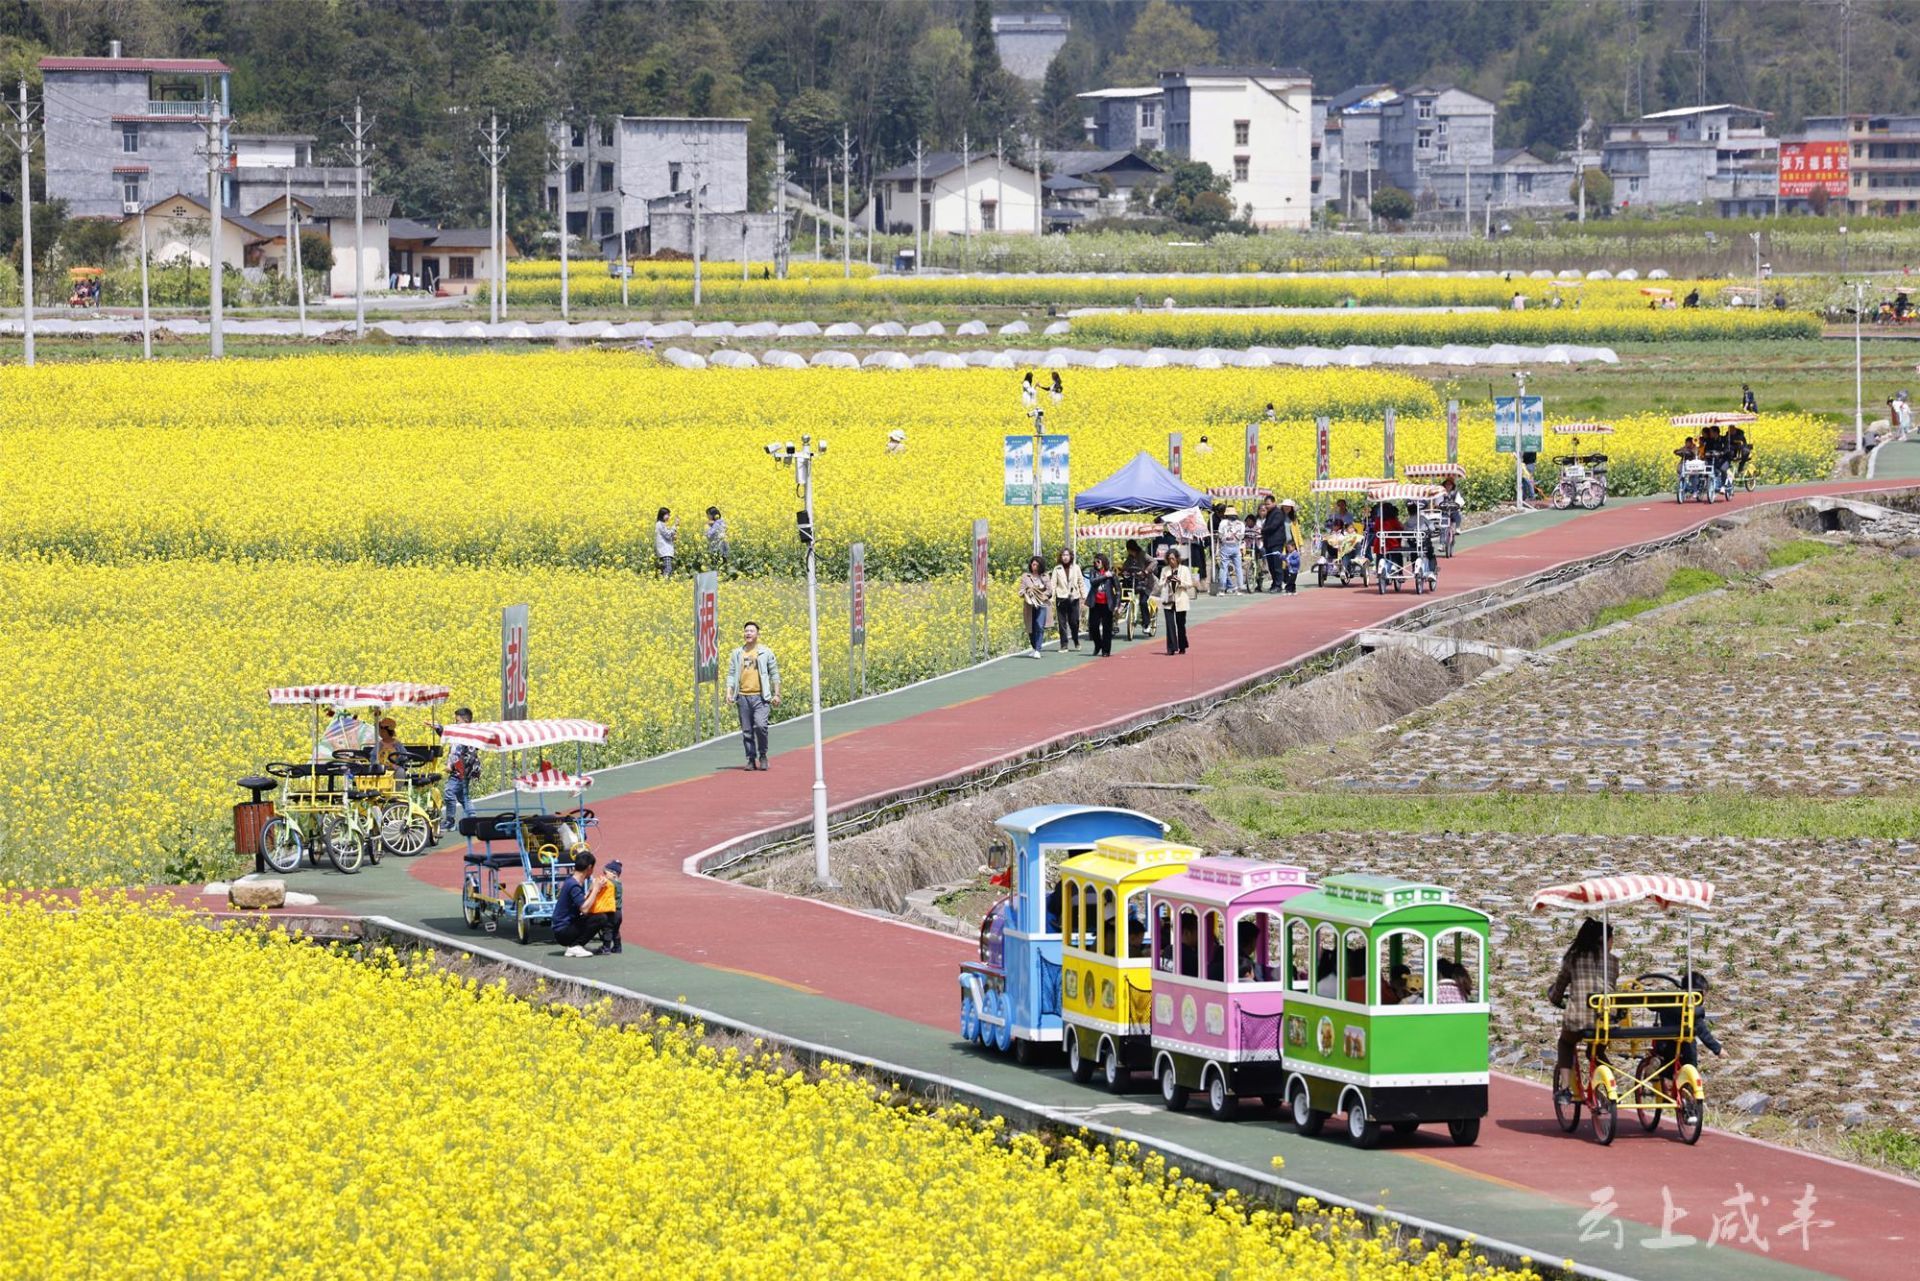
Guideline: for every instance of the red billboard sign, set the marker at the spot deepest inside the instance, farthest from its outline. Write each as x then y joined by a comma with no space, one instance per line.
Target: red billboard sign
1807,167
706,627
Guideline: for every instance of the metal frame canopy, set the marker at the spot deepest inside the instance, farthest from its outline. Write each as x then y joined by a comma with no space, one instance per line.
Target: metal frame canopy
1421,471
516,736
1603,892
385,694
1345,484
1400,492
1118,529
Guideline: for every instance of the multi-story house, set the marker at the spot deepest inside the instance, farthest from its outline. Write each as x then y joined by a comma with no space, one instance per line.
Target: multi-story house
1254,125
123,132
1433,125
1719,156
620,169
1129,119
1350,147
1882,159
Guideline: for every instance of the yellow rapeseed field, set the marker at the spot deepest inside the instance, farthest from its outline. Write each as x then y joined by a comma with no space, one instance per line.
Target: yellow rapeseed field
1385,329
191,1102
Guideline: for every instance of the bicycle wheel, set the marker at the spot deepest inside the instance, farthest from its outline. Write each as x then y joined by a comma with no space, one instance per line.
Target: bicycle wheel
1566,1110
1692,1116
1643,1093
1606,1119
1561,500
342,843
282,845
1590,497
1747,482
405,829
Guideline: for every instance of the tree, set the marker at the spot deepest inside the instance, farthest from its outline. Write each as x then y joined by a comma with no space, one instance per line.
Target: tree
91,242
1817,201
1599,191
1164,35
1391,205
940,65
316,251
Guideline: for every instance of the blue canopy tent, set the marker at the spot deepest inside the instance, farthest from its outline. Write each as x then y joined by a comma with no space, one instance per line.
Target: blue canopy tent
1143,485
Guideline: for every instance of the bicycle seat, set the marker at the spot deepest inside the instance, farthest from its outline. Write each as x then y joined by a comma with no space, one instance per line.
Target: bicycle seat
492,859
488,827
422,780
1564,459
362,794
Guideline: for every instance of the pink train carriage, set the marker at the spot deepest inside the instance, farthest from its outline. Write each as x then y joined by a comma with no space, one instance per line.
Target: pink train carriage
1219,980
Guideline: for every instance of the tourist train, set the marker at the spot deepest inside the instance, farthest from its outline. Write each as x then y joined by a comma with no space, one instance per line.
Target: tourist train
1231,978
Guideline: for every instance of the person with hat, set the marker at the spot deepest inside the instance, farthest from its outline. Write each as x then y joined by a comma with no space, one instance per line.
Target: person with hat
1273,541
1232,536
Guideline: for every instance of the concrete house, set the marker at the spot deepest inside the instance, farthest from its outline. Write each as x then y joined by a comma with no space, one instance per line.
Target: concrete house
123,132
1254,125
956,195
332,216
1026,42
1719,155
1516,179
1122,171
617,167
1350,148
1124,119
265,164
1882,160
177,228
1431,125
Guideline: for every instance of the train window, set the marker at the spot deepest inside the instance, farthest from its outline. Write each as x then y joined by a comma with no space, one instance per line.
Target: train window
1356,950
1137,927
1089,919
1189,943
1213,947
1070,895
1326,961
1297,960
1256,957
1403,969
1162,936
1461,954
1109,922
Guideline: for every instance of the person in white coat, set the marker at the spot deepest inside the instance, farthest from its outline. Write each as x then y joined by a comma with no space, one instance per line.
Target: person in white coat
1069,587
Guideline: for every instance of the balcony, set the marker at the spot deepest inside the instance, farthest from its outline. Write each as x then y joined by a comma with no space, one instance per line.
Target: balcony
176,108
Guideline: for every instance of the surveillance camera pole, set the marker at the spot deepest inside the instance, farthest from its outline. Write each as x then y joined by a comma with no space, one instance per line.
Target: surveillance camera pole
802,459
1519,441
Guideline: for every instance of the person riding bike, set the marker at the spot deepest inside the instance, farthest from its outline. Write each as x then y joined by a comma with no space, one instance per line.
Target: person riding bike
1713,448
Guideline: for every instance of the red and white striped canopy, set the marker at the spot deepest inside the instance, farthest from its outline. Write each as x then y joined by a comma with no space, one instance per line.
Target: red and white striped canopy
552,780
406,694
1618,891
1397,491
1417,471
1711,420
1239,491
307,695
514,736
1345,484
1582,429
1119,529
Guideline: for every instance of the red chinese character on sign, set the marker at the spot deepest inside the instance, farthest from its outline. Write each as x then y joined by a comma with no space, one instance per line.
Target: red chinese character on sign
516,667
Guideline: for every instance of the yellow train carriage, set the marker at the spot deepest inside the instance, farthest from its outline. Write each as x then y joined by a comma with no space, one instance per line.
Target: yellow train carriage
1106,975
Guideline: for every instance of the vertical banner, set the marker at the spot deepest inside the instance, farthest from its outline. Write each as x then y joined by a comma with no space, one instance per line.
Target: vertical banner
1018,467
1533,424
1506,423
1176,452
513,663
1056,459
980,566
857,619
1253,455
1018,464
706,645
1322,447
1453,431
1386,471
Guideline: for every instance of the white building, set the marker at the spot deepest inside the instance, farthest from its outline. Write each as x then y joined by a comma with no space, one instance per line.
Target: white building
1124,119
955,195
1254,125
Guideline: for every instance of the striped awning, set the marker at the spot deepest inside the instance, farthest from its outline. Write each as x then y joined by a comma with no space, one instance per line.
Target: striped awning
1711,420
552,780
307,695
406,694
514,736
1418,471
1618,891
1239,491
384,694
1582,429
1345,485
1399,491
1119,529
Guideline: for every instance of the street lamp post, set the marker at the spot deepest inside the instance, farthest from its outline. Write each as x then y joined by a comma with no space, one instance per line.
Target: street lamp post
1859,417
801,458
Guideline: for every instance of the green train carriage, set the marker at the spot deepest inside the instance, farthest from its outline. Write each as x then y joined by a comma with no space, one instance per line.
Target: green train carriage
1386,1009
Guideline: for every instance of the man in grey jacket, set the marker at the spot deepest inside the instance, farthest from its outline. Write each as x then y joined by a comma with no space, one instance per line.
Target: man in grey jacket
753,686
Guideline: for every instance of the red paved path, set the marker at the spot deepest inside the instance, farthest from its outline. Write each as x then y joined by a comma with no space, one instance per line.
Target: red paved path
909,973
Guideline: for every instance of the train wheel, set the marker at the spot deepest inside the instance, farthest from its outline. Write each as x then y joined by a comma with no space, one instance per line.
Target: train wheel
1406,1129
281,844
1221,1105
1172,1093
1306,1118
1692,1116
1112,1074
1025,1052
969,1017
1002,1032
1465,1132
1361,1127
1077,1066
470,904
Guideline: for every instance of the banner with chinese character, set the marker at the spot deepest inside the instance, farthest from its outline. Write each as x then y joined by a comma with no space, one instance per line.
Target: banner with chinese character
1176,452
706,627
857,593
1807,167
1253,455
1453,431
980,566
513,663
1322,447
1386,469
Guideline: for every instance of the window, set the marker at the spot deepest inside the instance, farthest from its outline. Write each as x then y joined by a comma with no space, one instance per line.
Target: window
130,190
1189,966
606,222
1149,115
1089,920
1256,948
1109,920
1162,936
1326,961
1441,128
1136,908
1240,169
1424,108
606,133
1403,969
1355,965
673,175
1423,141
577,222
1070,896
1460,953
460,268
579,136
906,186
988,209
576,178
130,139
1633,186
1297,961
606,178
1242,129
1213,947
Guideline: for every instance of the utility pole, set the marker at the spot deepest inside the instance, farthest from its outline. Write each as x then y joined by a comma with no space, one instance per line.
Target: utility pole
1859,402
146,313
1580,163
360,128
290,258
215,154
999,183
560,212
780,207
494,153
699,180
1466,185
846,203
23,139
919,162
500,267
626,272
966,201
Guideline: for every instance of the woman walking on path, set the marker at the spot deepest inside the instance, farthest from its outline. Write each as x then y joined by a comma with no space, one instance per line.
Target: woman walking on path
1103,589
1176,593
1069,587
1036,593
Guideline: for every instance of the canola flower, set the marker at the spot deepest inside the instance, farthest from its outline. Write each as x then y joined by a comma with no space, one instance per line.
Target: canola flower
191,1101
580,270
1381,329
